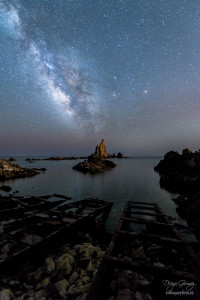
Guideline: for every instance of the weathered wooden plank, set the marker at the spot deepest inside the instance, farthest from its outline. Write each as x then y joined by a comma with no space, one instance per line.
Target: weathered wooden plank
145,203
143,213
156,237
141,207
145,221
147,268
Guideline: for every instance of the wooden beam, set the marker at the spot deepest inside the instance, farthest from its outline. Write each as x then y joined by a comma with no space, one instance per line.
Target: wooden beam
141,207
147,268
157,238
145,221
143,213
145,203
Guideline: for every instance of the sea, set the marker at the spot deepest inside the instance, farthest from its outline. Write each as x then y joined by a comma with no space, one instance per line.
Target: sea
134,179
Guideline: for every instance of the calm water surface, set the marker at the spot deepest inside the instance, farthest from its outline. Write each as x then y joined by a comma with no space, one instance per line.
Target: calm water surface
133,179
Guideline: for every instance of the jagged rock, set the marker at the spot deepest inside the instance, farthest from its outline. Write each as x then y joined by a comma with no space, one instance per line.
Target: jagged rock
158,264
73,291
46,282
101,150
96,162
37,274
12,171
61,287
65,262
73,277
86,250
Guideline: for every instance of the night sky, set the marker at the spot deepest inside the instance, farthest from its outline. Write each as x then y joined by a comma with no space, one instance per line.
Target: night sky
75,71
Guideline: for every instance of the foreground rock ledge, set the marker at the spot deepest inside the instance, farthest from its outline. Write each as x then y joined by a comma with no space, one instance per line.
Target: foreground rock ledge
97,162
12,171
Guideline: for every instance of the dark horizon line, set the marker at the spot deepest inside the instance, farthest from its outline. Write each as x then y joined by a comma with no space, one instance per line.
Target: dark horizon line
33,156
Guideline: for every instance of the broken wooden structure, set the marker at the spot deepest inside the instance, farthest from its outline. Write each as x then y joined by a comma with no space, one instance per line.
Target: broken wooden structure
151,244
26,235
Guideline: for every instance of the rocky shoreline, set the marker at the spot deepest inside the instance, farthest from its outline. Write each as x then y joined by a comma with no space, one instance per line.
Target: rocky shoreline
180,173
188,207
13,171
64,272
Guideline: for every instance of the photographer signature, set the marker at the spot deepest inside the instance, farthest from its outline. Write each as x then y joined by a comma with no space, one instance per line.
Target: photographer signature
182,284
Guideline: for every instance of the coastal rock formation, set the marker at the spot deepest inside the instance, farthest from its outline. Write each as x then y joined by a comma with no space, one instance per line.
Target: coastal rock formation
94,164
189,208
119,155
180,172
12,171
12,159
5,188
97,162
101,150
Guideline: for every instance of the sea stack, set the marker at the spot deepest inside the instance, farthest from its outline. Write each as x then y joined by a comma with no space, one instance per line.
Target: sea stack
97,162
101,150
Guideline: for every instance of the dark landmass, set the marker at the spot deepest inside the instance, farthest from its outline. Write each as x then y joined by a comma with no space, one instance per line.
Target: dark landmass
180,173
97,162
99,151
13,171
56,158
189,209
5,188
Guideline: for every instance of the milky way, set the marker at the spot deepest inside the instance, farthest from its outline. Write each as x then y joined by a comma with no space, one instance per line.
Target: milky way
64,77
72,72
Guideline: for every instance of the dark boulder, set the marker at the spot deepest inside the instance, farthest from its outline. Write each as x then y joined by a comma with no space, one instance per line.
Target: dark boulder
5,188
119,155
12,159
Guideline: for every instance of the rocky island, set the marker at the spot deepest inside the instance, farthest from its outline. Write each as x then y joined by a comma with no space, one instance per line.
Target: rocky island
97,162
12,171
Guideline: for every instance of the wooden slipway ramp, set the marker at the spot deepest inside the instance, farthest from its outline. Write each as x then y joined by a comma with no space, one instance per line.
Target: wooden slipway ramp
148,253
29,226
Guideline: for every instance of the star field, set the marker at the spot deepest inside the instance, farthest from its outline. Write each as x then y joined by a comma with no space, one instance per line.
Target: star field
72,72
